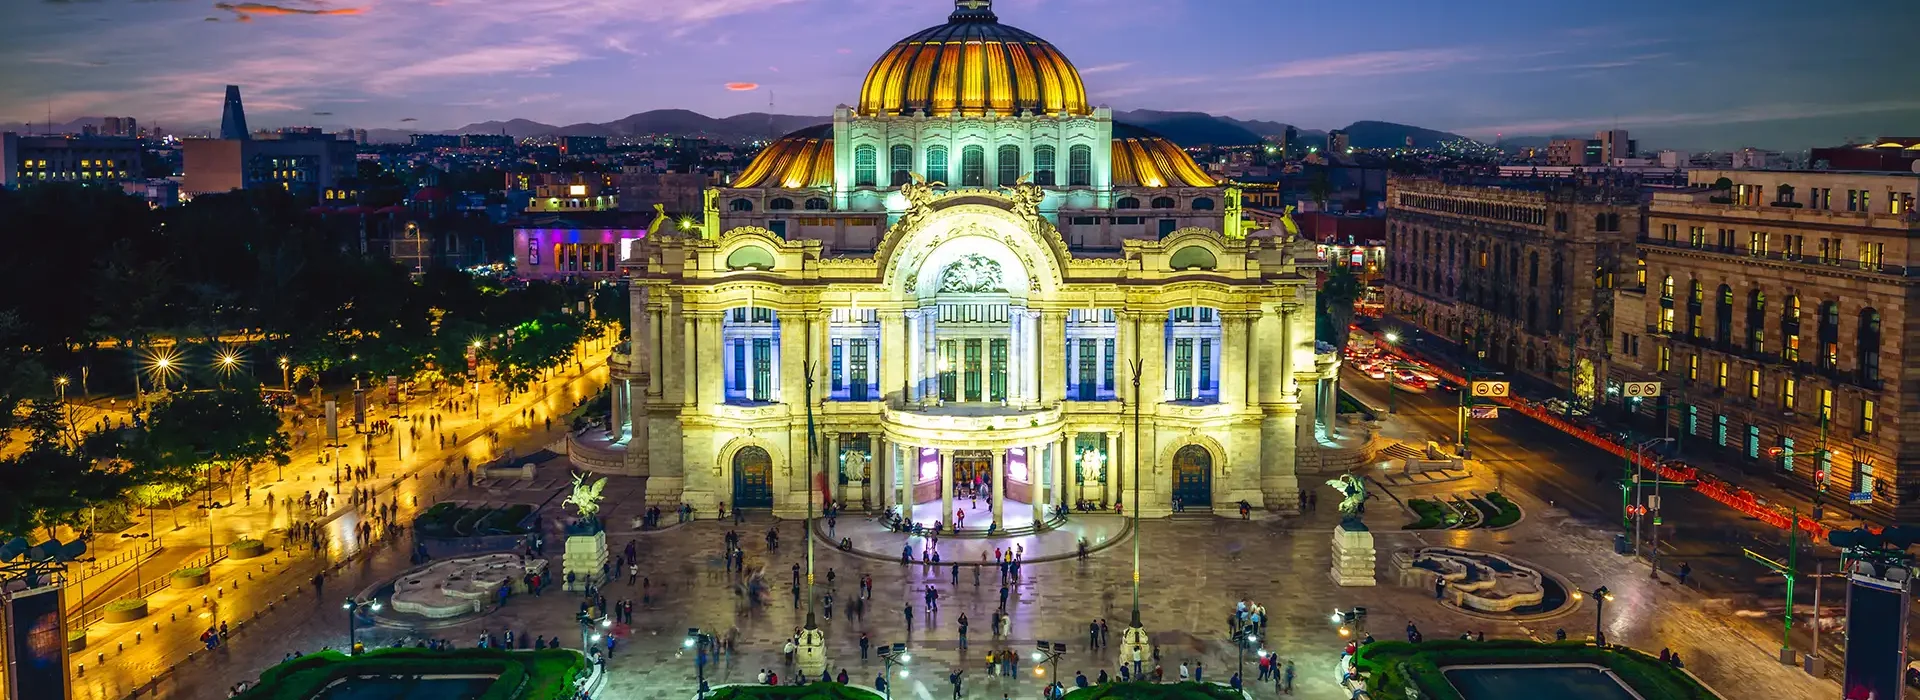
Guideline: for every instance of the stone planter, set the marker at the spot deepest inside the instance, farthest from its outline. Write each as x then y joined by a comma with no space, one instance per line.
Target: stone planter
246,549
126,610
192,577
76,641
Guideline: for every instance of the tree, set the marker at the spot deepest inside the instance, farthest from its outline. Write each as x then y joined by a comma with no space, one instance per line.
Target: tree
192,433
1337,295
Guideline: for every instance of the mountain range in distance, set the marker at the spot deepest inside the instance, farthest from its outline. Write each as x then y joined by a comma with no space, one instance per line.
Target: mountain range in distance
1184,128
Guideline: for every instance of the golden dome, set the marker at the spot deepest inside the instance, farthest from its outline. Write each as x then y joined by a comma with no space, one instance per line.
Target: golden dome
974,64
1142,158
801,159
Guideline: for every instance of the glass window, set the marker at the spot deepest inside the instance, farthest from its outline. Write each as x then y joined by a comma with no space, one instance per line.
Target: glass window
1183,369
1202,204
997,369
838,355
1826,406
900,163
857,370
1107,359
937,164
762,369
973,167
1009,165
1206,364
1867,416
780,204
1126,203
1079,166
1043,166
864,165
1789,393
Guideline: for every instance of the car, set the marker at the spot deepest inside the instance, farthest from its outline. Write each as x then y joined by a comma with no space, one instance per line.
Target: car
1913,673
1376,371
1405,381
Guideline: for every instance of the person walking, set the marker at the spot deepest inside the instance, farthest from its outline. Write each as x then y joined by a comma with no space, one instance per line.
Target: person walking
1286,678
907,611
1093,629
864,644
1103,632
963,630
1685,571
956,573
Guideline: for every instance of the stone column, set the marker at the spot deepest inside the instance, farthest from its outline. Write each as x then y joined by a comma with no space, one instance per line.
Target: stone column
946,486
1115,460
1053,356
1031,346
916,354
1036,493
673,359
999,487
1152,346
707,346
617,393
1233,352
930,357
1015,373
1287,388
892,362
689,351
830,466
817,350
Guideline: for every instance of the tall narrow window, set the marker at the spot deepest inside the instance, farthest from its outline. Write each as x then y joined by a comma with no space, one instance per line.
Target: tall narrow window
762,369
1089,357
997,370
857,371
1206,364
1867,417
1826,406
1723,316
839,355
1829,334
973,167
1790,329
1789,393
863,166
949,370
739,365
1079,166
1868,348
1183,369
970,367
901,163
937,164
1757,322
1009,162
1043,166
1106,359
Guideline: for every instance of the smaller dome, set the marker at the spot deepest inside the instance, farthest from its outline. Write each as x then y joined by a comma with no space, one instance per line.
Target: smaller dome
1142,158
802,159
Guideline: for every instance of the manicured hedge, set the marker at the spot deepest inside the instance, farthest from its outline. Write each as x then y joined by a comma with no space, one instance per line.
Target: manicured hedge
1395,665
1432,514
1508,514
1155,691
522,675
810,691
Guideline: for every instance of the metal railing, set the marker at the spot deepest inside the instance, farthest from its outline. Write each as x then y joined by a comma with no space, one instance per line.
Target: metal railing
143,550
1815,260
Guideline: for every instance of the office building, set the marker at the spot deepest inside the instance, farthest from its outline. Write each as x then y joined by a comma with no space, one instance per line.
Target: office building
305,163
1517,273
1777,308
1899,154
25,159
1337,142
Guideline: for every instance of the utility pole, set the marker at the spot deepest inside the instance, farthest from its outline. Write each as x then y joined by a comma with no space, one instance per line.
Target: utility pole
1787,570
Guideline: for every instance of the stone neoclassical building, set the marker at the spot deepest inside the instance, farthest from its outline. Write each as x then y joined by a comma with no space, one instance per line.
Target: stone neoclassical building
959,277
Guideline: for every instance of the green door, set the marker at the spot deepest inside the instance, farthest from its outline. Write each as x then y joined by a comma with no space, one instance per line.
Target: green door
1193,476
752,478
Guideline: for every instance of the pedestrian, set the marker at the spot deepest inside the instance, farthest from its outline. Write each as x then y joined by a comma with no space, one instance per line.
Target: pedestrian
907,611
1685,571
954,678
1103,632
633,572
956,573
1286,680
864,644
1093,628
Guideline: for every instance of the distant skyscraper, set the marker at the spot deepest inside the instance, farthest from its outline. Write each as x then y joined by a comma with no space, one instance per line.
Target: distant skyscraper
233,118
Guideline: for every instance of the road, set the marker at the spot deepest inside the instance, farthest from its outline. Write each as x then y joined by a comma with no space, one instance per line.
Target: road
1569,473
136,652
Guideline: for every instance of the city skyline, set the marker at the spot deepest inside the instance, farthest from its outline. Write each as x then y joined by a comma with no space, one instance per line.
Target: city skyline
1678,76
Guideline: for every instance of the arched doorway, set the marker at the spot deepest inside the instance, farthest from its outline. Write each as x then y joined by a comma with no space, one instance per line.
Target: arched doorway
752,478
1193,476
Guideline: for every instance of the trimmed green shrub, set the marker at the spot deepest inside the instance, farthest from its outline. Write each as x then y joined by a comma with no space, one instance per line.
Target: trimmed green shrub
811,691
1155,691
520,675
1507,512
1431,513
1394,666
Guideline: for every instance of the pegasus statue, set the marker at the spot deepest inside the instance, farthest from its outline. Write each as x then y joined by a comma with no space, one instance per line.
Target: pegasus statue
586,496
1353,493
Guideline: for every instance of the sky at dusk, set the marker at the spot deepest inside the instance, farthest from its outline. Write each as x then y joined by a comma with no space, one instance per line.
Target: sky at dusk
1696,74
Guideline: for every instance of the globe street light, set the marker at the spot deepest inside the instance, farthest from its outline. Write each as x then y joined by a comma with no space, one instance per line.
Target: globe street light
353,607
286,376
1600,597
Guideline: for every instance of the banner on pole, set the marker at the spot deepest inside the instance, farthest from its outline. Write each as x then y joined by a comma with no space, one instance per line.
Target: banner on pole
1483,412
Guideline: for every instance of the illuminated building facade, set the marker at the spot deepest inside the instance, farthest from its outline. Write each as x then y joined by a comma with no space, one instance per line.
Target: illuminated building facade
26,159
955,281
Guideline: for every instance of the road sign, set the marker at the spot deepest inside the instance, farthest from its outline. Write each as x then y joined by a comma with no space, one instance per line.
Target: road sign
1653,502
1640,389
1860,497
1490,389
1478,412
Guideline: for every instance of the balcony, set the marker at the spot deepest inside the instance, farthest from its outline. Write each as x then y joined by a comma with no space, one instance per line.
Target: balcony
1809,261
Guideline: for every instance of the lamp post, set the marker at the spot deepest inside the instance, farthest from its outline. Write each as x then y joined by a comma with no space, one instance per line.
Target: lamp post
589,635
353,608
698,642
1134,644
1634,457
1391,338
1600,597
286,374
66,411
811,657
894,655
1241,642
1045,652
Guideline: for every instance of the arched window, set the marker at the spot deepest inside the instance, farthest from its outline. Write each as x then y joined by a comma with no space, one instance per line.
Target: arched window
1079,166
1599,222
900,161
1192,257
816,204
1695,299
750,257
1009,162
1127,203
1869,348
973,167
1757,321
780,204
1043,166
1666,288
1829,335
1164,203
864,166
1723,316
740,205
1533,269
1202,204
937,164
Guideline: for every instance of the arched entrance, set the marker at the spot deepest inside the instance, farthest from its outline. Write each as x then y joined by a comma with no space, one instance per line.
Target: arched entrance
1193,477
752,478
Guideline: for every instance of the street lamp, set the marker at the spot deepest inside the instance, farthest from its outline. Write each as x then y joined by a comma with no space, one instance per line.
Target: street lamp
1134,640
1241,643
66,411
1600,597
1391,338
698,641
1045,652
590,633
1352,622
892,655
353,607
286,375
